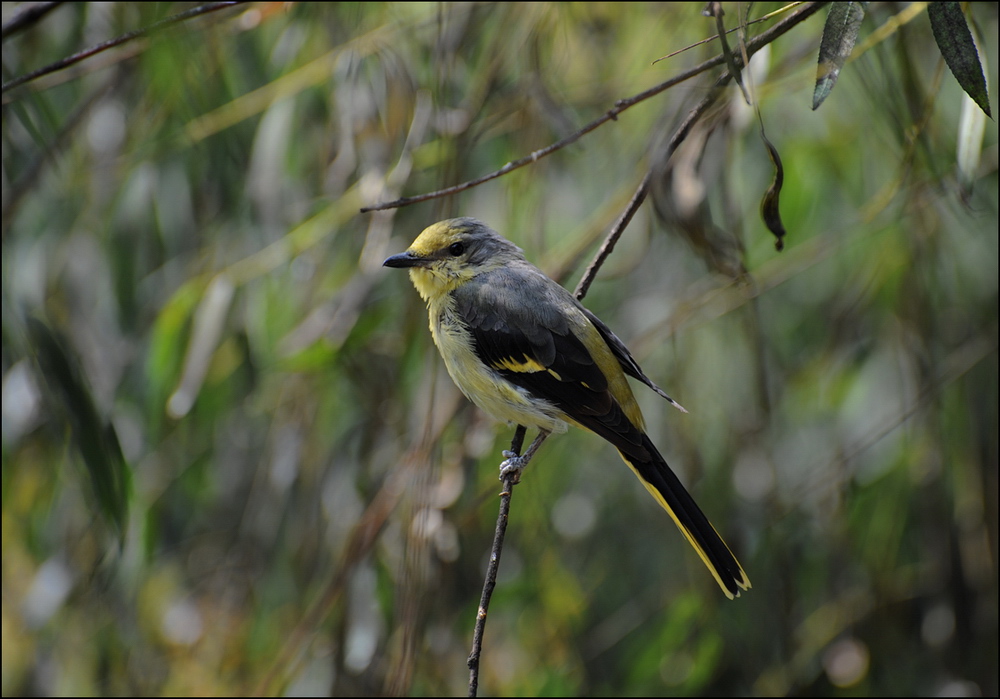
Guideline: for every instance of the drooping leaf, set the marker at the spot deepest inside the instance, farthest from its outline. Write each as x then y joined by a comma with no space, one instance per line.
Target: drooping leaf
94,435
209,322
951,32
714,9
769,209
971,128
839,34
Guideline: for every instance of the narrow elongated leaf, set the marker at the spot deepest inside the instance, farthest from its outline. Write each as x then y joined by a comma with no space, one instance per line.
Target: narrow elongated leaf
95,436
209,322
839,34
951,32
714,9
769,209
971,128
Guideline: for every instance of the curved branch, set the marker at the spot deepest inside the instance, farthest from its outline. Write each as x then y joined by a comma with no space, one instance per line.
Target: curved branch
754,45
25,17
678,136
118,41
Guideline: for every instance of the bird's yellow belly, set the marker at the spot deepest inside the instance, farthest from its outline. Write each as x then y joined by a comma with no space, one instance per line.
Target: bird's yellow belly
496,396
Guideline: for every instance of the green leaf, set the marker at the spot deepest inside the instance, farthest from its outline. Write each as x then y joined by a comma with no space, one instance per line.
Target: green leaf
714,9
951,32
95,436
839,34
168,339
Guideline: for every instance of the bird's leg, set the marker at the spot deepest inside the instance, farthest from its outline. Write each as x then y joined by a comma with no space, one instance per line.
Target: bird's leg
515,464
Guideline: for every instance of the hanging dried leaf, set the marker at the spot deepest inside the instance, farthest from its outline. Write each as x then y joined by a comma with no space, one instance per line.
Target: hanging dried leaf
951,32
839,34
769,210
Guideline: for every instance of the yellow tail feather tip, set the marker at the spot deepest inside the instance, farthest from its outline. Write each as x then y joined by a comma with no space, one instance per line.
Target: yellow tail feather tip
743,582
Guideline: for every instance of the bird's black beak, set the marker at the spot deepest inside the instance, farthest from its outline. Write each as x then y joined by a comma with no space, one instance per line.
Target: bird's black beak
404,259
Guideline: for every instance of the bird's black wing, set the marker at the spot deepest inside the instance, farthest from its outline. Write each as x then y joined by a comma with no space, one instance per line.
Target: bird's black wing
534,346
624,357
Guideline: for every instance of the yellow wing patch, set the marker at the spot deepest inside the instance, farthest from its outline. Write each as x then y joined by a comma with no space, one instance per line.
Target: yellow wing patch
529,365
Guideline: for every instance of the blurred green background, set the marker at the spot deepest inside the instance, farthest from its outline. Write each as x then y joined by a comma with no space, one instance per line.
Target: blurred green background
233,461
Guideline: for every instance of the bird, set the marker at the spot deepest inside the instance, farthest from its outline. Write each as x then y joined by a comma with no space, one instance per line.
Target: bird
527,352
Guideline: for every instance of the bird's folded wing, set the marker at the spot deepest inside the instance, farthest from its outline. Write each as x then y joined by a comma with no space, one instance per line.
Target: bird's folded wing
536,347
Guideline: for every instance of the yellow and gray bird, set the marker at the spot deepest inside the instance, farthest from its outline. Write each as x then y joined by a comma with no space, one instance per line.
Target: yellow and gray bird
523,349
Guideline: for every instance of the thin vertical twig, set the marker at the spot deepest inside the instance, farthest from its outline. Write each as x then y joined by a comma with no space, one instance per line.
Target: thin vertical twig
510,478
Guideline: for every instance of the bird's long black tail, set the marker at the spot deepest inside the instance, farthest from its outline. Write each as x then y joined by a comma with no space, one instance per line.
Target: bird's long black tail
664,485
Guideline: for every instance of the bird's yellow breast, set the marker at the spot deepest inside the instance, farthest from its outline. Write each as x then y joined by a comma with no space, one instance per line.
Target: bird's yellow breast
496,396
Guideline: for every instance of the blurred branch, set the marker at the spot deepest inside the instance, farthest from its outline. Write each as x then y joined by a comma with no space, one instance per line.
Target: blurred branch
26,17
359,544
708,39
957,364
315,72
754,45
856,605
888,28
700,307
118,41
304,236
913,133
206,337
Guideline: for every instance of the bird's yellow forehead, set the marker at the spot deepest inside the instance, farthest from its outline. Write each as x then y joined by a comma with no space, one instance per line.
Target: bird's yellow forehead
434,237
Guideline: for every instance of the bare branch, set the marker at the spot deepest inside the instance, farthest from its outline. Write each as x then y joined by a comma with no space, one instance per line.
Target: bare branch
769,15
640,193
616,232
755,44
118,41
27,16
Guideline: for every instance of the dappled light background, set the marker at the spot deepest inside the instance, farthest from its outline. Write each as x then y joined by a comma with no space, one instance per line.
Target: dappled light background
233,461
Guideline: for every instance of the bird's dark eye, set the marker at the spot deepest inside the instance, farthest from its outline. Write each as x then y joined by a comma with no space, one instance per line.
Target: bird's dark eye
456,249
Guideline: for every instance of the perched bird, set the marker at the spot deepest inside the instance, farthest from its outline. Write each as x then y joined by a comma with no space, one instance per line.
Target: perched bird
524,350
